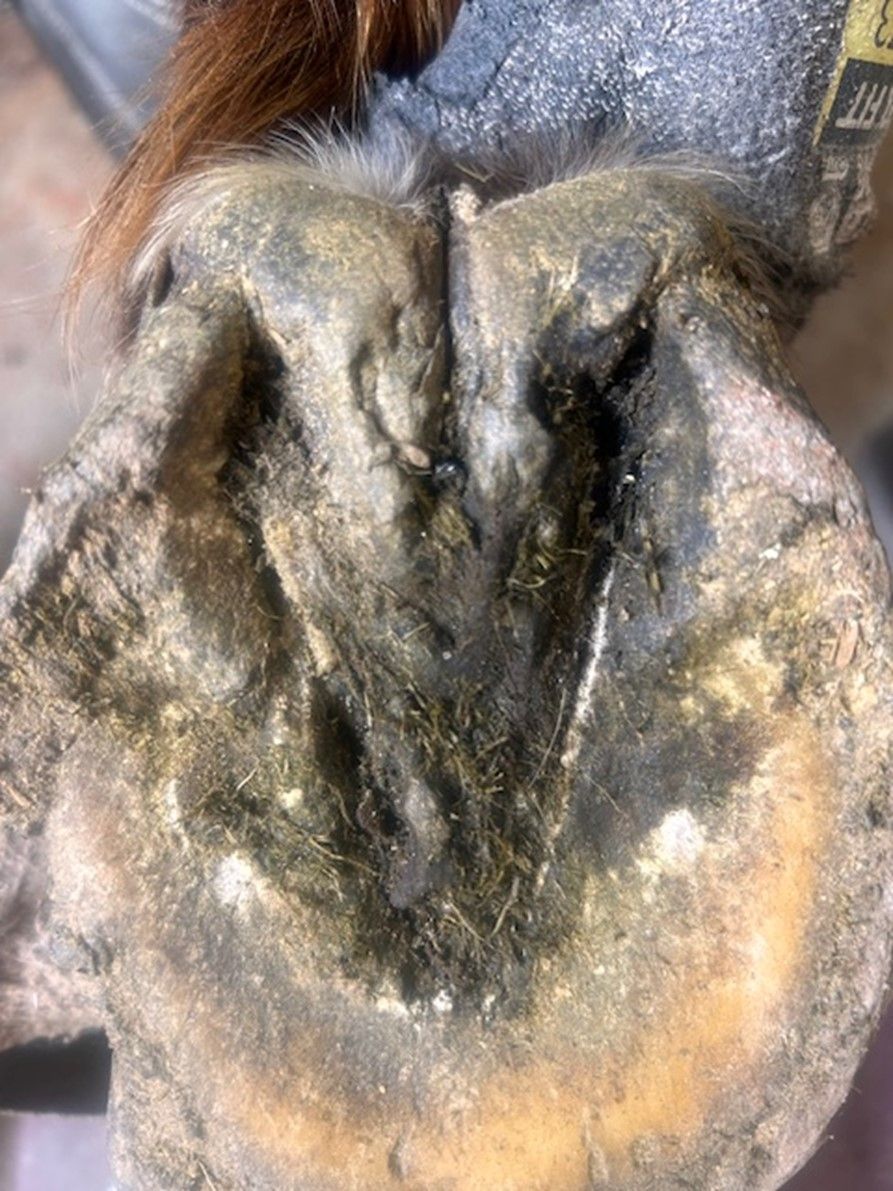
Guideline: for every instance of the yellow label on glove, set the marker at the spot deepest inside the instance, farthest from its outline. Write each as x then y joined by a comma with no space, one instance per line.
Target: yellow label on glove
859,106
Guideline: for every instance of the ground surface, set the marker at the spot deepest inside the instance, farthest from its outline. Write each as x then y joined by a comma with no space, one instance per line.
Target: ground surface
54,169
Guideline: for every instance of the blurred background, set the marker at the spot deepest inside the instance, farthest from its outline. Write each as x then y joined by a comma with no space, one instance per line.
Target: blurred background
55,166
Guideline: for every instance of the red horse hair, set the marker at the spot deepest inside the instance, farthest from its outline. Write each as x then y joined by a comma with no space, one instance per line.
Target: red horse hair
240,67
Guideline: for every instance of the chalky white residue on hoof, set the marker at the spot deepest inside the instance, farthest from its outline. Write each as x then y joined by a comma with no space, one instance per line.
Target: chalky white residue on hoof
442,1002
672,848
172,804
234,882
598,639
292,799
392,1005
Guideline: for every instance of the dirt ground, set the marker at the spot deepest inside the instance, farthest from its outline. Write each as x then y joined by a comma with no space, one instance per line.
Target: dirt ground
55,168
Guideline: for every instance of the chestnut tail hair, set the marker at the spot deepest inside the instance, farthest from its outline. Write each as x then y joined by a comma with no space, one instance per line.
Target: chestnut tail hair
239,67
